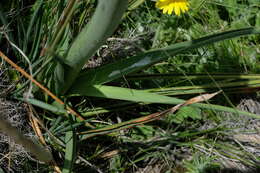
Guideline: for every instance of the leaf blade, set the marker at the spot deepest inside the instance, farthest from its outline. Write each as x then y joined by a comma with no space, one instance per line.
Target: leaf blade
111,92
70,151
123,67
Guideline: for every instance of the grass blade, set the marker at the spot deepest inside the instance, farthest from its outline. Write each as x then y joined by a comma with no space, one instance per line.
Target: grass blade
44,106
34,18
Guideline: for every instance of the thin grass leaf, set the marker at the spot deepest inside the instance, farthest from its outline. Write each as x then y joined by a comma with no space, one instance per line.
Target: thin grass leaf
192,76
37,41
56,123
111,108
4,23
133,4
34,18
44,106
216,85
70,127
61,126
62,24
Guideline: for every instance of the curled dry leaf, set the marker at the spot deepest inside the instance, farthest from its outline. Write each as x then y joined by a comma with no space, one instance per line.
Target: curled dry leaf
201,98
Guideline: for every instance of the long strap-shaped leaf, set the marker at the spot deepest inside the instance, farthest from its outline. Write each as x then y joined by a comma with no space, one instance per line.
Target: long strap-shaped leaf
103,23
127,94
116,70
145,119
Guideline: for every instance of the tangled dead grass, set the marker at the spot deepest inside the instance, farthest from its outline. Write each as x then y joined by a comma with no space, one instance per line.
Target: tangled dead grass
12,155
243,138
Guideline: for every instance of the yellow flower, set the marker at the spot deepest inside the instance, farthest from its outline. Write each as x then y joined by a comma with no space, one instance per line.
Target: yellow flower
168,6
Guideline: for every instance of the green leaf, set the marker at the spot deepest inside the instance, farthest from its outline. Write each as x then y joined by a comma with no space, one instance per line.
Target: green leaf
45,106
118,69
106,18
120,93
133,95
134,4
184,113
143,132
34,18
70,141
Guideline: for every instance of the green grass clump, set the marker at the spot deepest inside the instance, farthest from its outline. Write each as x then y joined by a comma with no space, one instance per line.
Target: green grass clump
110,72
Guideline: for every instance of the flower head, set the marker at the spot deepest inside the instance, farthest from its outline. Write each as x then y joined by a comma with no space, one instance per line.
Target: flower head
168,6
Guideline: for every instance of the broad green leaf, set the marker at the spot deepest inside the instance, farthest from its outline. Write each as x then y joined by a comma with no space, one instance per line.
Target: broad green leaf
120,93
133,95
106,18
118,69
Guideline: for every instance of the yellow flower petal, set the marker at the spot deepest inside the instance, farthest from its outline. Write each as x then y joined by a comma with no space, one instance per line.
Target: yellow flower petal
168,6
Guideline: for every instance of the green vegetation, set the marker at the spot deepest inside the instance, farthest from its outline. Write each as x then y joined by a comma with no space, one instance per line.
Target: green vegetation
102,80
